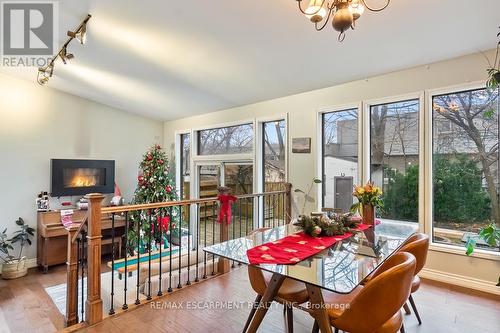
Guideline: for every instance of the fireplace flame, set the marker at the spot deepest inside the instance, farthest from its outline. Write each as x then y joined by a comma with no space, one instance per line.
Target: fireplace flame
83,181
83,177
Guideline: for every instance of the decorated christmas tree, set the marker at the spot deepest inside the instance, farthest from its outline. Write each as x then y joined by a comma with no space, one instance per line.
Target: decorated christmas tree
154,184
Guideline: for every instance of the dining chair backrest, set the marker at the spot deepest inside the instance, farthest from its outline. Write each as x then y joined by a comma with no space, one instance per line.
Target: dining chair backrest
418,245
382,297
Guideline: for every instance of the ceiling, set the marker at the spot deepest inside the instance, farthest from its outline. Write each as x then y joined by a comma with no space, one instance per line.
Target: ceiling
173,59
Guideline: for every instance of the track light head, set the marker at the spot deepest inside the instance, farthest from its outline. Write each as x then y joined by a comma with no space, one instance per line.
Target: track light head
44,74
80,34
65,56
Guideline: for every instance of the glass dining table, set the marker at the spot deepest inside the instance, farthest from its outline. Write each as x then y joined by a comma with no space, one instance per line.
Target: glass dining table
340,268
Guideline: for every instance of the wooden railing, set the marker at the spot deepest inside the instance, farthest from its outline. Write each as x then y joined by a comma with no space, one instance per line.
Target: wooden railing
190,227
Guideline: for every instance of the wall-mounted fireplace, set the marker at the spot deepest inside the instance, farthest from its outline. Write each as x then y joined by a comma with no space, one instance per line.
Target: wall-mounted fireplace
80,177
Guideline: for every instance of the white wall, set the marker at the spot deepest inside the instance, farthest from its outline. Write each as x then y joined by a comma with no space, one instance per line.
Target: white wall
303,108
40,123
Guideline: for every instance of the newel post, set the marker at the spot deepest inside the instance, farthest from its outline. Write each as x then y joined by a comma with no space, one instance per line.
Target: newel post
72,278
93,305
288,205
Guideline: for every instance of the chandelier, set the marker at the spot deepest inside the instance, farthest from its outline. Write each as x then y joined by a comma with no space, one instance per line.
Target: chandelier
344,13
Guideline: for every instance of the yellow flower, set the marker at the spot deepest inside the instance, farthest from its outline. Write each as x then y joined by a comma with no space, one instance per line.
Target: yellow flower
360,190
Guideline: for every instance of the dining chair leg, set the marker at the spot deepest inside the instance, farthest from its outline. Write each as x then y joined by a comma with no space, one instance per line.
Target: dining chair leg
252,312
265,302
407,309
413,306
288,309
319,312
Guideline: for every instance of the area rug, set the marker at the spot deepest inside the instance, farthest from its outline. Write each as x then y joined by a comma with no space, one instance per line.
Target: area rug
58,293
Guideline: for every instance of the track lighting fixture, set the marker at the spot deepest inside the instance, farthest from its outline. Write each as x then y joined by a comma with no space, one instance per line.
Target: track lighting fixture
80,33
65,56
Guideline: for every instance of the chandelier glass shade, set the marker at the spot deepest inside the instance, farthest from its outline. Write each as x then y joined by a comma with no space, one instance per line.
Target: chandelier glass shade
343,13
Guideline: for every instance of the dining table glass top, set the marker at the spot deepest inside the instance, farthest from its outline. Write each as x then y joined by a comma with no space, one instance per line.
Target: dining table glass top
339,268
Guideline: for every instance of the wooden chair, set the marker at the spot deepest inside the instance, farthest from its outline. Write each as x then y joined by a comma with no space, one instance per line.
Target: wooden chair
376,306
418,245
291,292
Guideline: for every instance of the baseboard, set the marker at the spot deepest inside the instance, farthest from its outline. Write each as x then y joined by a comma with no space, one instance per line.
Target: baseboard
459,280
31,263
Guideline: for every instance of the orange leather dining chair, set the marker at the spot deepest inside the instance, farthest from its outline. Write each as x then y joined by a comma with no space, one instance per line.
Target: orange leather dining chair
376,306
291,292
418,245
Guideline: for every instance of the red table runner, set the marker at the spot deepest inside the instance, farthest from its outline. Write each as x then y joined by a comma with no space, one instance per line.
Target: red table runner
294,248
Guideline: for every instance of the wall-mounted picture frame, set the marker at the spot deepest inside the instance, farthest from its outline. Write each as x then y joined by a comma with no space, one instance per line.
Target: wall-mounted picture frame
301,145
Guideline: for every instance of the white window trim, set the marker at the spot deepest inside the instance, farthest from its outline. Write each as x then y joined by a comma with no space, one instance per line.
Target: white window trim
259,161
454,249
178,162
226,157
319,145
420,96
259,148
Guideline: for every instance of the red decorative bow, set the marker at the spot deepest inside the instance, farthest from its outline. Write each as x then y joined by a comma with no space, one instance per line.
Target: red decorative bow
225,207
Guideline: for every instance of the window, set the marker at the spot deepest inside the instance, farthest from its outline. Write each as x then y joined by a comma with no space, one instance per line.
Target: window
274,150
185,163
226,140
465,165
394,157
340,158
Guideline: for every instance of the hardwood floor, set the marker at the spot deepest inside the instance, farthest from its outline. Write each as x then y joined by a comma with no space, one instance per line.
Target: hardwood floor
25,307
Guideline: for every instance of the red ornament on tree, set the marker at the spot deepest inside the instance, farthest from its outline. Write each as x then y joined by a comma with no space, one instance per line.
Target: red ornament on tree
168,188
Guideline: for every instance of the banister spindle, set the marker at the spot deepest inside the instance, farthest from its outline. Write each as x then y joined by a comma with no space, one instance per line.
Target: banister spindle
72,278
125,305
112,307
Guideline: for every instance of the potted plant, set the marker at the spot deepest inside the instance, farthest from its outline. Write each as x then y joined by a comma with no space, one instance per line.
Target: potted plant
369,197
15,266
489,234
494,69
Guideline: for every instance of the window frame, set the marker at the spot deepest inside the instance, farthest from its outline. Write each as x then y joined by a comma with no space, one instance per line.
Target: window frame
429,200
226,157
420,96
259,151
178,153
319,146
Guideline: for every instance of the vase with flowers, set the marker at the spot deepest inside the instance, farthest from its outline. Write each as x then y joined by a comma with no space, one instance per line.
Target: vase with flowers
369,198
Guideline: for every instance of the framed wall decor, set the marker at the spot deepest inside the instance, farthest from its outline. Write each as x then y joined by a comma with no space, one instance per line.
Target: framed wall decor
301,145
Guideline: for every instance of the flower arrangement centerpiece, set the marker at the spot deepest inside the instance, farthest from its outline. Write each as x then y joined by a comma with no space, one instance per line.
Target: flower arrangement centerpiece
336,224
369,197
